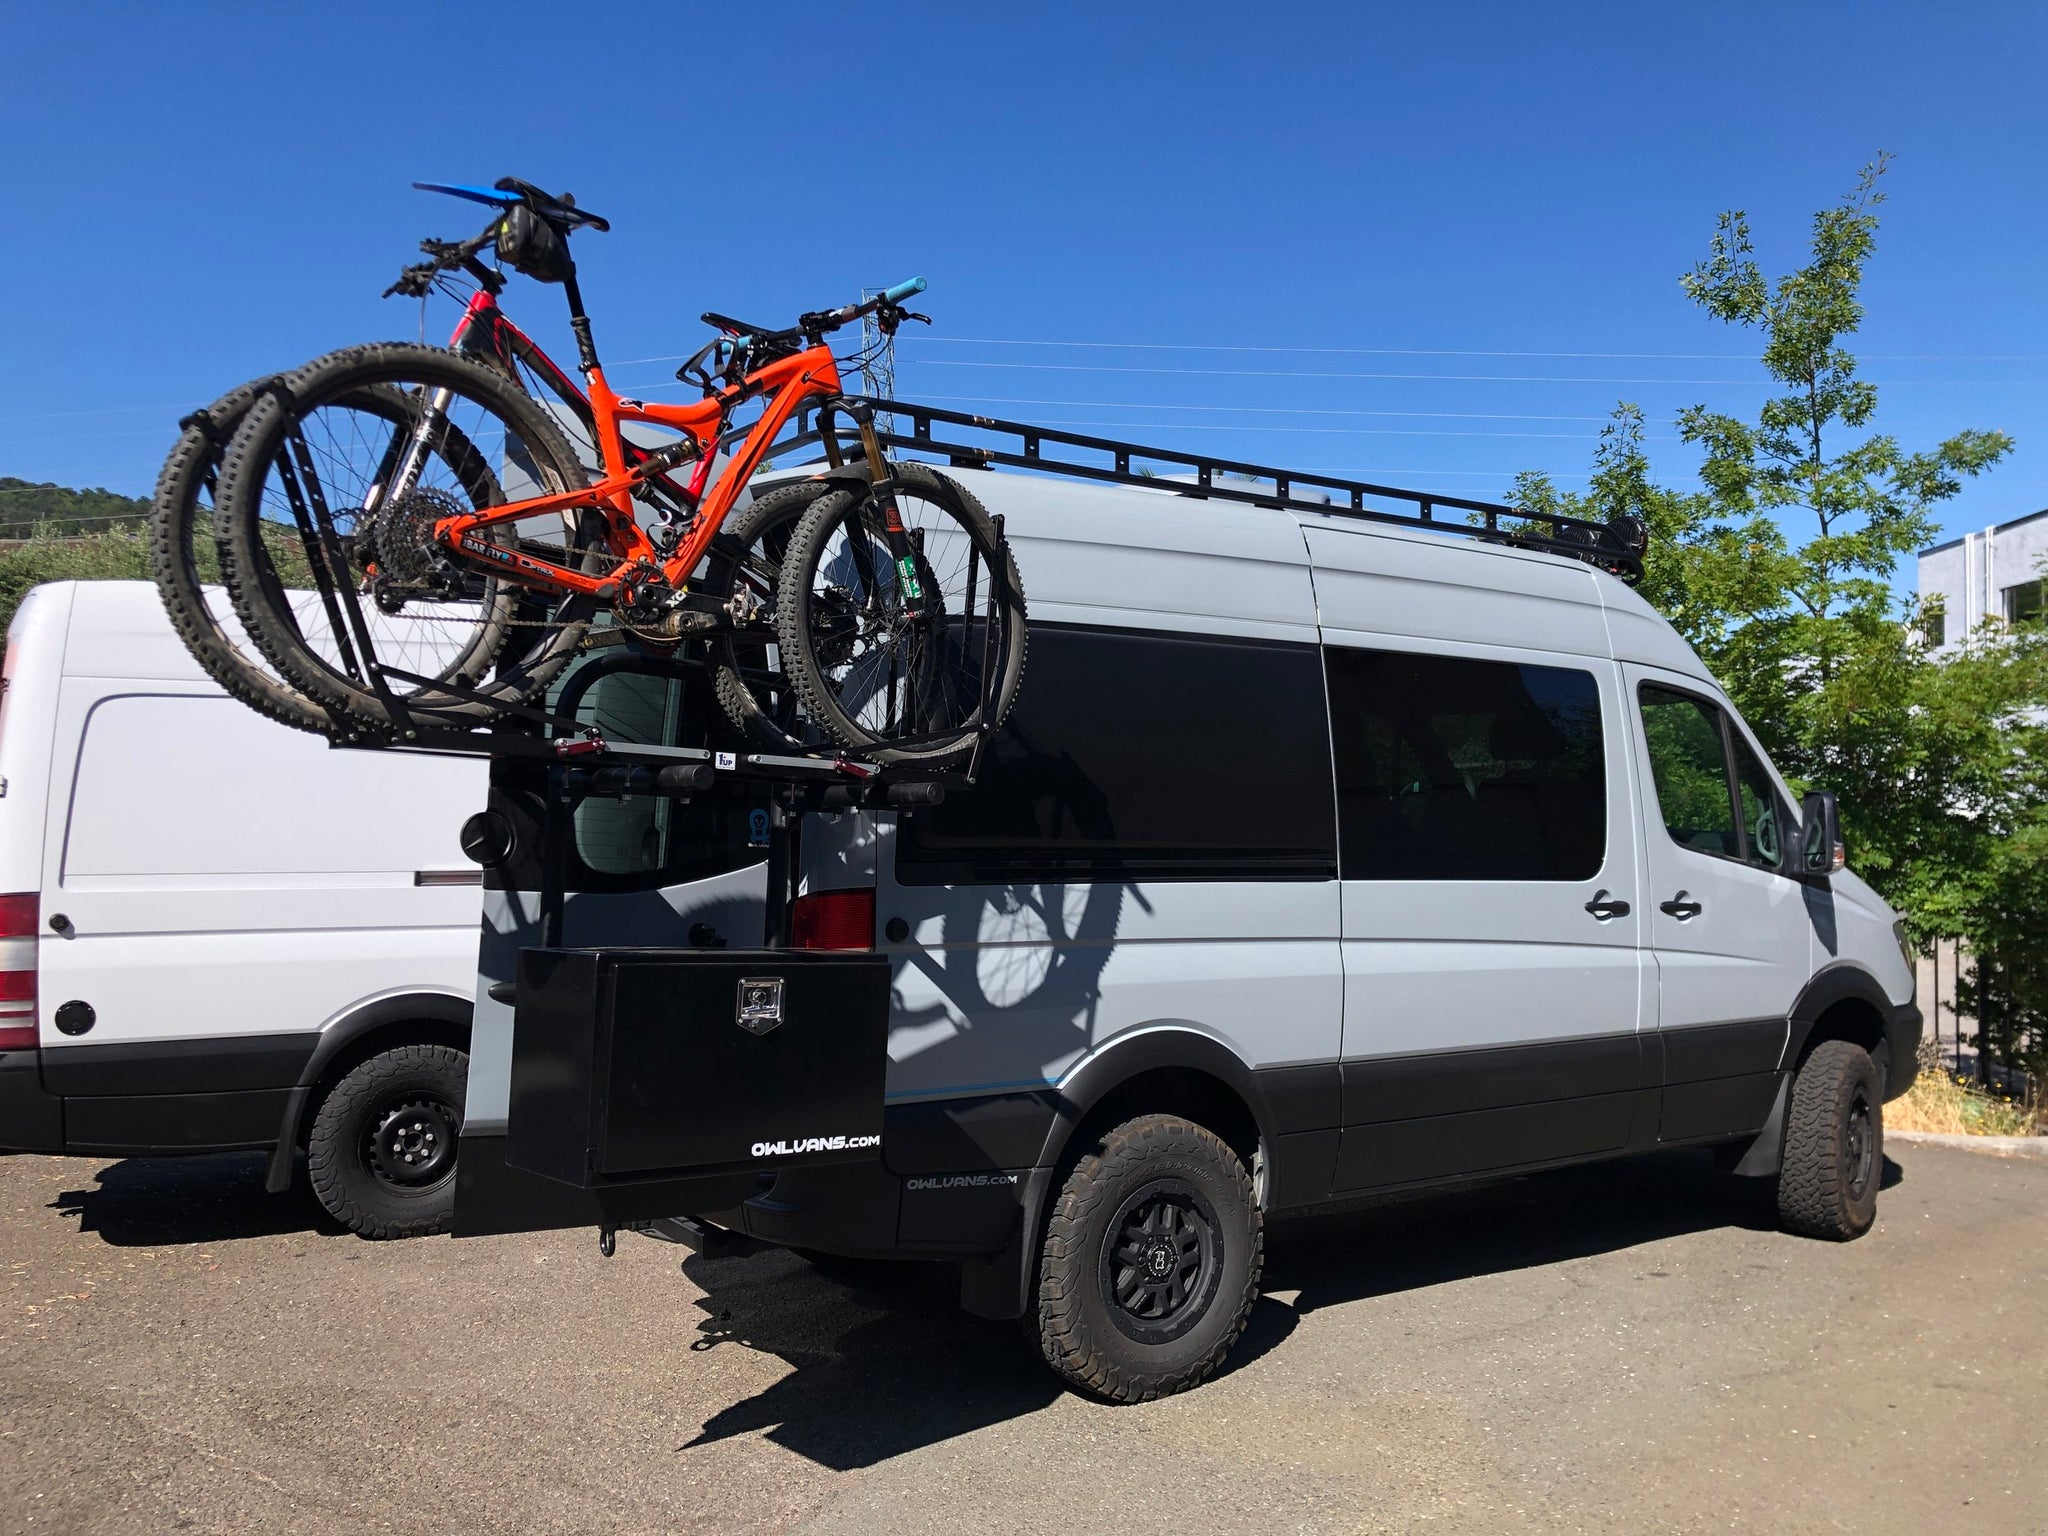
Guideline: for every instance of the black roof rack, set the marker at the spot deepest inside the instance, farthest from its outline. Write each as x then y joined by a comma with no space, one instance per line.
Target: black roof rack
1616,547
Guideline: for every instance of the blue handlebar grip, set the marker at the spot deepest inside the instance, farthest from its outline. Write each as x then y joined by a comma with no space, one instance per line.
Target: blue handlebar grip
903,291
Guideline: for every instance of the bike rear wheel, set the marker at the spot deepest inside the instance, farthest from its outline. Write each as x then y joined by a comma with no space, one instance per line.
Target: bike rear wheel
329,492
185,560
902,677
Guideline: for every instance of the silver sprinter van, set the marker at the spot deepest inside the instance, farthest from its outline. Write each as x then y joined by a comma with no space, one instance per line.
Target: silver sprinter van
1318,858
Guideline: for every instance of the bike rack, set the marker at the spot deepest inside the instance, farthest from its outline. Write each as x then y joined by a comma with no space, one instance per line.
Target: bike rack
582,762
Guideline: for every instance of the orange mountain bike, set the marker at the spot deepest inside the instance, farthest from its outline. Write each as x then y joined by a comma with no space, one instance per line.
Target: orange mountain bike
440,562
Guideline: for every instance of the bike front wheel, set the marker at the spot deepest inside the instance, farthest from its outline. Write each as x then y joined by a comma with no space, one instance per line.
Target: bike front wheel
328,496
902,671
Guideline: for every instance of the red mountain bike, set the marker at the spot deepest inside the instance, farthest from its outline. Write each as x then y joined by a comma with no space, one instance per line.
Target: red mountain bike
184,536
438,564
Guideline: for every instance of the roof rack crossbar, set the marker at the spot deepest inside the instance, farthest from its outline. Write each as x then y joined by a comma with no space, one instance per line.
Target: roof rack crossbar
1578,538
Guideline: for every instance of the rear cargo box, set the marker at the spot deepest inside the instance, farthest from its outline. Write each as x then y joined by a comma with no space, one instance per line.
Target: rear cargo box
637,1065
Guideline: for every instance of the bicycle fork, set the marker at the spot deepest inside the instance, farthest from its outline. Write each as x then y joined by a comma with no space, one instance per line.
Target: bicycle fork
882,492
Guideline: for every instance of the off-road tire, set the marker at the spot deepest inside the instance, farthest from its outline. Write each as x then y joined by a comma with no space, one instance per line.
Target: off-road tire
1834,1145
1076,1322
772,724
342,1164
807,548
522,669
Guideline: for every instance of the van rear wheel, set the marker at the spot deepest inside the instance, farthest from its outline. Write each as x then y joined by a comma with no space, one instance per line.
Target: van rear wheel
381,1156
1151,1261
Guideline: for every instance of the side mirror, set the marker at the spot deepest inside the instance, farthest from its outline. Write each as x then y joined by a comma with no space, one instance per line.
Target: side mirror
1821,850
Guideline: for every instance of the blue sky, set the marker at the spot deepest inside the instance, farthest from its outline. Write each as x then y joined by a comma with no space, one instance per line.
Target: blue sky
1429,245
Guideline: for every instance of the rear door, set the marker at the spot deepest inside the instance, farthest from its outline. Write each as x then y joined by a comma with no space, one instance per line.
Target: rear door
1732,939
639,870
1488,862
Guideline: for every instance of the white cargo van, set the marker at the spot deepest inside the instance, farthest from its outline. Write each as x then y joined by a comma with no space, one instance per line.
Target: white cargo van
1319,858
218,932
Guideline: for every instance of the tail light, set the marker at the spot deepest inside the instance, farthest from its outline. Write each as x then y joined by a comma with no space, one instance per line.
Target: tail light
833,920
18,970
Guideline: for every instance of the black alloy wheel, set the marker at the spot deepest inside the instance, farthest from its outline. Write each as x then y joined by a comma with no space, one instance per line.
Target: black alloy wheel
1161,1261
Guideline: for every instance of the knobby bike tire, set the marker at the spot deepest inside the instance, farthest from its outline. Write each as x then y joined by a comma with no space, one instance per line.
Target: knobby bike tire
755,693
175,535
811,545
261,599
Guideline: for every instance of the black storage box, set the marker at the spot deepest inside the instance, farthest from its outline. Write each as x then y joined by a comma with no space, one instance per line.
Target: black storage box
636,1065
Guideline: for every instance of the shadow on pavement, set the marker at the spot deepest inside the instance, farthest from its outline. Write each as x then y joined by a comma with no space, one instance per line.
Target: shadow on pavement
143,1202
1429,1239
884,1361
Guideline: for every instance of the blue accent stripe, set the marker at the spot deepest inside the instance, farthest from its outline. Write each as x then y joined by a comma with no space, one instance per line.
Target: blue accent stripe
959,1088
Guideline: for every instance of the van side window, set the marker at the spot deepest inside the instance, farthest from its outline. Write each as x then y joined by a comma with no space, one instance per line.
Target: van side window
1452,768
1143,755
1689,763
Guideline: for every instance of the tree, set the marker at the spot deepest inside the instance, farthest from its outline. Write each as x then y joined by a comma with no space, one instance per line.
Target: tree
1778,570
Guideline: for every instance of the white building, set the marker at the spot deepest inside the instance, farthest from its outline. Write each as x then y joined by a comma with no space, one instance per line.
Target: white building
1994,574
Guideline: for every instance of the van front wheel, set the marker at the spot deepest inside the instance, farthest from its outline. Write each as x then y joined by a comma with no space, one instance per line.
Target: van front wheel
381,1155
1151,1261
1834,1144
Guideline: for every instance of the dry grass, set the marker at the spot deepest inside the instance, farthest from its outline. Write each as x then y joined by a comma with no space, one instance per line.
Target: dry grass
1942,1102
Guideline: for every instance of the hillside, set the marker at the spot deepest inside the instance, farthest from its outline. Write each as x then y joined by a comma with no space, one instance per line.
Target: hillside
29,506
54,533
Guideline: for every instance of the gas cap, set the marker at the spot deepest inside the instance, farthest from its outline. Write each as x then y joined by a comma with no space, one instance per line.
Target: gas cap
75,1017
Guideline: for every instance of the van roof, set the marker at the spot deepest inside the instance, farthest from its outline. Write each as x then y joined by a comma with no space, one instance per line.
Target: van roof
1042,508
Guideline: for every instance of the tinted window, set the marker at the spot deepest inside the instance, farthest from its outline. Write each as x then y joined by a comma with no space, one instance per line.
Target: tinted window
637,842
1449,768
1690,767
1765,817
1135,754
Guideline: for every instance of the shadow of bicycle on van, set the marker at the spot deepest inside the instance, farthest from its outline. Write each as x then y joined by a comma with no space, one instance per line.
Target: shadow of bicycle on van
147,1202
883,1362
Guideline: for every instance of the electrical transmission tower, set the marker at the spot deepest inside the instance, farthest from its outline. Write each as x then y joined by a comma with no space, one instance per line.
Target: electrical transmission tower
878,371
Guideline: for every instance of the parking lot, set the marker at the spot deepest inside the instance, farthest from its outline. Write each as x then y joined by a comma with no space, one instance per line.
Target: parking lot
1615,1349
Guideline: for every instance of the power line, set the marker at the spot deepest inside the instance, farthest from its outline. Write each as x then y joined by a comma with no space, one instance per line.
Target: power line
1436,378
1200,346
1264,410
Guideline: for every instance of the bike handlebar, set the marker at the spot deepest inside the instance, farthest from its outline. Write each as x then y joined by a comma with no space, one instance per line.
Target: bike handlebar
846,314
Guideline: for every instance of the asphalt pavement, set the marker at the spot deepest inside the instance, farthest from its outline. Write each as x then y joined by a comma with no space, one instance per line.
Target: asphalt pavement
1622,1349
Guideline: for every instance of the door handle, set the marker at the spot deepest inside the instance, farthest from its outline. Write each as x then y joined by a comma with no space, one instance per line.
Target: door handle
1604,906
1680,908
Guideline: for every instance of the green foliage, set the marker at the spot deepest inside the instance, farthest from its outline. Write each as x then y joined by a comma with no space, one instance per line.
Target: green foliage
1778,569
121,555
27,506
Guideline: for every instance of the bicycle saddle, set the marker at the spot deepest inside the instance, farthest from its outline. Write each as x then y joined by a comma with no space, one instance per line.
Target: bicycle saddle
510,192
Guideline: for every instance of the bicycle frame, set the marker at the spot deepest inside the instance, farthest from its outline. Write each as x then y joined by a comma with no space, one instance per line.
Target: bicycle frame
788,382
